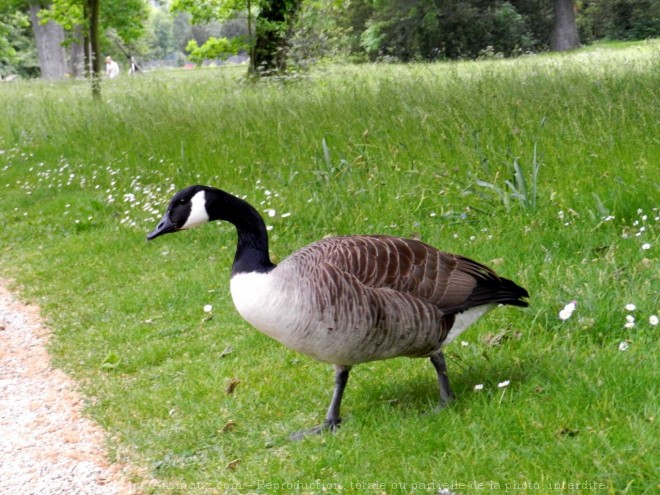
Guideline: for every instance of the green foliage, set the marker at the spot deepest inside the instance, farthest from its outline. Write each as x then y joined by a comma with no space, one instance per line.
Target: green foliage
443,29
621,19
273,28
126,17
428,30
214,48
510,34
209,10
161,29
67,13
18,54
267,39
378,148
317,34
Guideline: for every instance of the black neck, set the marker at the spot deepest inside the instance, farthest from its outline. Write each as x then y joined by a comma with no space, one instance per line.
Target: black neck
252,246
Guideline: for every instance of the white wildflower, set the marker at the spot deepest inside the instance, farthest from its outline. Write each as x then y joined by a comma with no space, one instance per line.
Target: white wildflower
503,384
479,386
623,346
566,313
464,344
631,307
630,318
646,246
271,213
653,320
208,308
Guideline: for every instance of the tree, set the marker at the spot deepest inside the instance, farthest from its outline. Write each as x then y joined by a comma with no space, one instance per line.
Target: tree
18,53
93,19
161,34
91,10
565,35
318,33
273,26
438,29
621,19
269,26
49,37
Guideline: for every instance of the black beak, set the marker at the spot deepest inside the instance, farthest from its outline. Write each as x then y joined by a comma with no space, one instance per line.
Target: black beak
165,226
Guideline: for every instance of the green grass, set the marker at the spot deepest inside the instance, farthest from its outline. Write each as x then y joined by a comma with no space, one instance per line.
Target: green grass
372,149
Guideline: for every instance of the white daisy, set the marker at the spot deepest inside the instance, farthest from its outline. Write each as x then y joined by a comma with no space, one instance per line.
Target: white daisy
566,313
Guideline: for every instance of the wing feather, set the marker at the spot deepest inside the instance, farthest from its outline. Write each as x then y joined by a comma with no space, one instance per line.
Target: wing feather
450,282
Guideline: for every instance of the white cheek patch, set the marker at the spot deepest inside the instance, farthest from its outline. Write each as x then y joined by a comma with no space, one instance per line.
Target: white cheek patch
198,215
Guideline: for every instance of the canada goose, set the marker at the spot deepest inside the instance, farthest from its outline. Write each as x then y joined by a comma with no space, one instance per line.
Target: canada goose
347,300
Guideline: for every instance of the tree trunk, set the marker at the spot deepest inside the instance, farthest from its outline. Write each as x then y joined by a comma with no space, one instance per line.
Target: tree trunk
565,35
77,54
93,13
87,56
270,45
253,65
49,38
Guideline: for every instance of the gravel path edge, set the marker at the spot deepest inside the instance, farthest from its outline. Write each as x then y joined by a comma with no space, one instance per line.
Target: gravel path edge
47,445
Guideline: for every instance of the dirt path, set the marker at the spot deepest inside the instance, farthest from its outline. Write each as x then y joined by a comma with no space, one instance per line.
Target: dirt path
47,446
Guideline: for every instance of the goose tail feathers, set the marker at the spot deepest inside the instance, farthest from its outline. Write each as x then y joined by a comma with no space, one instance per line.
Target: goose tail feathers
499,290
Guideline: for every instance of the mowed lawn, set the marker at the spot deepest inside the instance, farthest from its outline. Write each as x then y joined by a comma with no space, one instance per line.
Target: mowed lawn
546,168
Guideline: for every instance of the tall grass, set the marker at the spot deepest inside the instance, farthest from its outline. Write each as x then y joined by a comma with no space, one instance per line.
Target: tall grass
572,214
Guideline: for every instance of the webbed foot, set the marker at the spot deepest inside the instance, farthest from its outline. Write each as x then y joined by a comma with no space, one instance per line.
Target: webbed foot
328,425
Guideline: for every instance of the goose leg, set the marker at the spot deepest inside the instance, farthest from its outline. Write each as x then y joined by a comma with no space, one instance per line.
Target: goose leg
446,395
332,418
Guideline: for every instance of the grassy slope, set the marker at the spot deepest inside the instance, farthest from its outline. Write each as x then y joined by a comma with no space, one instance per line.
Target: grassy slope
354,150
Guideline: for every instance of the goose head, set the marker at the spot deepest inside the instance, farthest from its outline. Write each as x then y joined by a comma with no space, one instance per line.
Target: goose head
187,209
196,205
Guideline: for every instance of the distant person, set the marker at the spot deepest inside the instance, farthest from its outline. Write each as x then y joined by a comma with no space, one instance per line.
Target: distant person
111,67
134,66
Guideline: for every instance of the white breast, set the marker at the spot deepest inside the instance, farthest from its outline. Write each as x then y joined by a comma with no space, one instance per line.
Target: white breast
283,311
268,305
